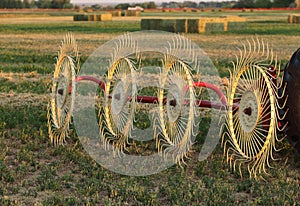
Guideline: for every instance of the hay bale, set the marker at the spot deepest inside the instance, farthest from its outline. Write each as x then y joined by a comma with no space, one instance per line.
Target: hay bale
75,18
225,25
193,26
91,17
296,19
132,13
167,25
214,26
236,26
181,25
170,25
150,24
116,13
196,26
80,17
145,24
105,17
96,17
290,19
230,18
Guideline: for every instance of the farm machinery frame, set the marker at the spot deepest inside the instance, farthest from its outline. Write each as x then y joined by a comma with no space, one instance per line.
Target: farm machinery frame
257,102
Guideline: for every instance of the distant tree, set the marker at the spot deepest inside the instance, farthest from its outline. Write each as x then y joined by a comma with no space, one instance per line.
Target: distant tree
122,6
96,7
165,5
151,5
26,3
174,4
244,4
43,4
54,4
282,3
190,4
11,4
263,4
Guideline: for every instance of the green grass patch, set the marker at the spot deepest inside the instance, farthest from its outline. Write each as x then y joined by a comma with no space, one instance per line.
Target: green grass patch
76,27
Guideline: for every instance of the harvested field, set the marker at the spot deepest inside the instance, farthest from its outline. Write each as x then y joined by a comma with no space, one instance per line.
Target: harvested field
34,172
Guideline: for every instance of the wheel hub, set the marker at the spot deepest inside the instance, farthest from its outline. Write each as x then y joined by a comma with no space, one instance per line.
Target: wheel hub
248,108
173,103
61,91
118,98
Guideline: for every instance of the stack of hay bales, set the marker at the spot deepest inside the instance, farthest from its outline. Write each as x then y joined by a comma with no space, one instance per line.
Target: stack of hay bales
92,17
199,25
294,19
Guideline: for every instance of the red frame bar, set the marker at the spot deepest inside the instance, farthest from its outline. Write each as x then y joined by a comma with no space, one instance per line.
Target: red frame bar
154,100
214,88
93,79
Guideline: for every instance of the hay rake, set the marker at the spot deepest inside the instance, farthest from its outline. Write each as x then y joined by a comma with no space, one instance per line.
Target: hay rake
256,103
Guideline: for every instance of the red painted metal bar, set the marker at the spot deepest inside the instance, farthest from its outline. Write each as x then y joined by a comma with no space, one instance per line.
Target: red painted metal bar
154,100
214,88
93,79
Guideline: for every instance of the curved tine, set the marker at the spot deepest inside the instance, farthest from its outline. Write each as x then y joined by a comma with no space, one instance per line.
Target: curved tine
283,92
283,128
284,104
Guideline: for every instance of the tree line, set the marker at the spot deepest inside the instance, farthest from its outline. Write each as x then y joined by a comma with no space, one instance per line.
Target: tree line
210,4
60,4
52,4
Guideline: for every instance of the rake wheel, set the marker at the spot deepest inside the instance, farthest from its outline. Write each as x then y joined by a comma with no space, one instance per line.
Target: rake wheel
176,112
251,120
61,102
119,104
291,90
117,112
